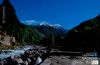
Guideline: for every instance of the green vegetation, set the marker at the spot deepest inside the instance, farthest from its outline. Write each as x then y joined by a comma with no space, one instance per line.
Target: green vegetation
84,37
30,35
87,28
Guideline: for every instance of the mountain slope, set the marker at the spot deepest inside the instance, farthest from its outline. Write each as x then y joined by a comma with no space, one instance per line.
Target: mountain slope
8,20
10,24
53,34
85,37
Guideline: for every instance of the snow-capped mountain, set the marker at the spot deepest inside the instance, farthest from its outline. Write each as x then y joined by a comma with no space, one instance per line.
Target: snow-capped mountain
48,29
43,23
52,25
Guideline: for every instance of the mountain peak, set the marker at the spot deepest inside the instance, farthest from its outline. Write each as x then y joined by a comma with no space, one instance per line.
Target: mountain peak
51,25
44,24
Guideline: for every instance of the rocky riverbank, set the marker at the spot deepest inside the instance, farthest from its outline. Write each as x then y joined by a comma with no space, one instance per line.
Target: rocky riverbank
31,56
38,55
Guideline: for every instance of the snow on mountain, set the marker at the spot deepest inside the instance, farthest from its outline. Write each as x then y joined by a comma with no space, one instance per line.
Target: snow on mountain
51,25
30,22
57,25
43,23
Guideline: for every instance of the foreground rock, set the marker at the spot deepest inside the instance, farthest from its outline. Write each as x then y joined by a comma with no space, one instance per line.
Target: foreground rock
6,39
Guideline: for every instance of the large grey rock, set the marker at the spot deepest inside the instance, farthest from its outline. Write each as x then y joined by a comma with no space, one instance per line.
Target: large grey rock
7,40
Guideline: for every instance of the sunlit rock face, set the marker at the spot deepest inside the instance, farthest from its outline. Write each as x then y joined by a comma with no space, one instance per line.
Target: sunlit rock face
6,39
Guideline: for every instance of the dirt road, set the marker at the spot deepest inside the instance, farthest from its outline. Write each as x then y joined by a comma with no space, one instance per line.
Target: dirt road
66,60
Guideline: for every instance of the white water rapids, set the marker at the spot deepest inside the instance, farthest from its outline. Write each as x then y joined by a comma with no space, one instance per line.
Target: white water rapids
14,52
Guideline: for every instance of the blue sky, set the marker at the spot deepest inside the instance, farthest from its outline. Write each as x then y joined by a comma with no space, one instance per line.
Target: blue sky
68,13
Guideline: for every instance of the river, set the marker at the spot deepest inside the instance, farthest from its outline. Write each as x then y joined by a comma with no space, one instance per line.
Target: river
7,53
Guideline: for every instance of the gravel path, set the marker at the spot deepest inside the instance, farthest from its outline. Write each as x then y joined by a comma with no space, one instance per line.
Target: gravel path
65,60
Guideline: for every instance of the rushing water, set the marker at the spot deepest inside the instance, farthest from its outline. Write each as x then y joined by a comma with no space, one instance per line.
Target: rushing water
8,53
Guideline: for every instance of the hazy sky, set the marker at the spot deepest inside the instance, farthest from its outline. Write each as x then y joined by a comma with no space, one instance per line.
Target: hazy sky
67,13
